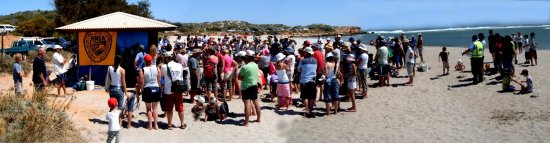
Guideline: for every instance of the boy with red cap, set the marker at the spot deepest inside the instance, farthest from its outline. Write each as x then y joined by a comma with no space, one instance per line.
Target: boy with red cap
113,119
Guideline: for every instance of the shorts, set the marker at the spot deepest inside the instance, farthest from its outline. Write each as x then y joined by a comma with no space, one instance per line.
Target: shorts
228,81
194,83
527,55
363,77
296,78
174,99
410,68
445,64
283,93
533,54
308,90
384,69
60,78
151,94
131,102
250,93
18,88
331,91
352,82
210,83
116,92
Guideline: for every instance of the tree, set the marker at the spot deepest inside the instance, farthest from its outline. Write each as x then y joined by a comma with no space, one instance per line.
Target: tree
38,26
71,11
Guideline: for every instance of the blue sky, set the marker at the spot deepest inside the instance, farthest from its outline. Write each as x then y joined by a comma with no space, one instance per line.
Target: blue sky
368,14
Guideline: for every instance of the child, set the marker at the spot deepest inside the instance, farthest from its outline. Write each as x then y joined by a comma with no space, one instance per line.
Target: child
273,80
18,75
459,65
212,111
506,87
444,58
198,109
113,119
528,87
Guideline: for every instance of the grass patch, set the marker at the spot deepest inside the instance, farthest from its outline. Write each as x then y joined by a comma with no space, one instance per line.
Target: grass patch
35,119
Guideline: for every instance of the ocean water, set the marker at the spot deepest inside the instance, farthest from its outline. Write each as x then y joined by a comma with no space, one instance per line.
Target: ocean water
461,37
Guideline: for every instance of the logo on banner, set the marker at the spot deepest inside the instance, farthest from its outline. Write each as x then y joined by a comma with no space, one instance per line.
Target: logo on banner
98,45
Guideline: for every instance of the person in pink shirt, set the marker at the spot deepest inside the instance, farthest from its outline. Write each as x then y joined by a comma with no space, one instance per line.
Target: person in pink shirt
227,74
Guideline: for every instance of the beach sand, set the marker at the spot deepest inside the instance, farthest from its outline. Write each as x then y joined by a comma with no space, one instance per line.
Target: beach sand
429,111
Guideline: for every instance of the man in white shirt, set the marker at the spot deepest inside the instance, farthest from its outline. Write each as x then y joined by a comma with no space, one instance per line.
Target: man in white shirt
382,59
362,67
58,64
172,71
410,61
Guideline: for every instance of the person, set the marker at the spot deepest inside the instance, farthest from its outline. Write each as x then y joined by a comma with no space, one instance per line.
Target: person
248,75
410,61
320,58
113,119
352,82
212,111
533,50
492,46
476,59
307,67
420,47
182,58
39,74
519,45
58,64
153,52
331,84
18,74
239,58
210,73
193,64
198,109
227,74
283,87
526,49
508,53
506,80
528,86
444,58
362,65
138,64
290,61
263,63
459,65
173,72
382,59
150,78
116,87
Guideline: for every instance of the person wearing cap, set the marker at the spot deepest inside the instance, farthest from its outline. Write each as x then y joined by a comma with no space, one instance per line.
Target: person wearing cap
320,58
290,61
212,111
308,67
150,77
283,84
476,59
113,121
331,84
362,66
58,64
248,75
173,73
193,64
239,57
198,107
382,61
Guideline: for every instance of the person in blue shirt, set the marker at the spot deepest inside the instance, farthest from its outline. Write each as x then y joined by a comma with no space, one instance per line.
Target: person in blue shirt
18,75
308,68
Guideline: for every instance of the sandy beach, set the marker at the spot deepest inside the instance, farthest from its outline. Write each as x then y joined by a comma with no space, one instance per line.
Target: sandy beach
429,111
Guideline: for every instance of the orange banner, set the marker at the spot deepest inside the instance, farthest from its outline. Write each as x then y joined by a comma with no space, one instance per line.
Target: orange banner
96,48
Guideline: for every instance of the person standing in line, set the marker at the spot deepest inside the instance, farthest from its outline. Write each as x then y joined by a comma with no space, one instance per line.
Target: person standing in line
138,65
476,59
116,87
39,74
150,77
320,58
283,87
193,64
173,73
307,67
58,64
248,75
227,75
113,117
331,84
362,65
382,60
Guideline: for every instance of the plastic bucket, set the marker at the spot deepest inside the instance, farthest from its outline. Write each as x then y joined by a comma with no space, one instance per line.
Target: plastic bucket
90,85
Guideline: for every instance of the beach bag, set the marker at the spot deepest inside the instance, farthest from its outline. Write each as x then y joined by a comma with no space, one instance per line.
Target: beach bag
178,85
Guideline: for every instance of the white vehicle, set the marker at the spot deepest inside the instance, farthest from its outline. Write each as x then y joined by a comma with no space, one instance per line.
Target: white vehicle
7,28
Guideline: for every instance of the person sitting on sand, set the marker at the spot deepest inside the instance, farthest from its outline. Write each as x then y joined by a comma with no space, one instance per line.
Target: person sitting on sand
459,65
113,119
444,58
506,80
198,108
212,111
528,87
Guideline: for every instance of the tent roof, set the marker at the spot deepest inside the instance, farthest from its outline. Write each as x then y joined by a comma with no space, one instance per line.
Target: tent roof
118,21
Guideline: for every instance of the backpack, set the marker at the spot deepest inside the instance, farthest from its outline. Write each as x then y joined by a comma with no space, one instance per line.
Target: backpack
209,67
178,85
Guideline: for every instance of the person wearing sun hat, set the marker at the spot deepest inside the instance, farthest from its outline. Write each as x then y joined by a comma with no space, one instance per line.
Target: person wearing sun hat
362,66
283,87
331,84
248,75
290,61
113,117
308,67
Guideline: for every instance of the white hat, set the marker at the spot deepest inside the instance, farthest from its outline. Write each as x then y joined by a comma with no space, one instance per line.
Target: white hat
328,39
363,47
168,54
250,53
241,54
338,35
57,47
351,57
280,56
329,55
200,99
308,50
459,61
